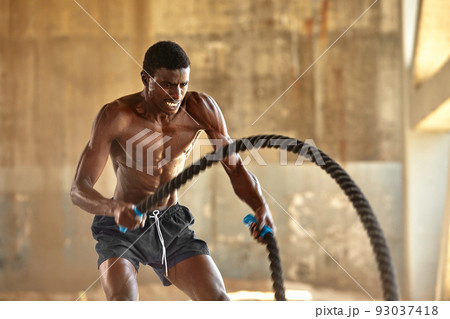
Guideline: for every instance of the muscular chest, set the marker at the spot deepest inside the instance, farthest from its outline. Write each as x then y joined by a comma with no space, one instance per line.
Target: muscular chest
148,147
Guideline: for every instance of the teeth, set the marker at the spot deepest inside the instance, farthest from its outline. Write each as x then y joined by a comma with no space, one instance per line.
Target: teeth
172,104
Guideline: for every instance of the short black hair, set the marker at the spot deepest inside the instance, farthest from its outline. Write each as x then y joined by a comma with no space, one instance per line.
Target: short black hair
165,54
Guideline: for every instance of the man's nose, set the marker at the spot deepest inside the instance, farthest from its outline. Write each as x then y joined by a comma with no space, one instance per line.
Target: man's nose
176,92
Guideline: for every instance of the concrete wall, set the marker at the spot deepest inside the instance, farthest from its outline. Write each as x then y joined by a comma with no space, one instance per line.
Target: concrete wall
58,68
427,143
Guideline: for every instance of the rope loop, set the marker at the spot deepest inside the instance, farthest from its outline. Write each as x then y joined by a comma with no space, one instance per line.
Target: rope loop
354,194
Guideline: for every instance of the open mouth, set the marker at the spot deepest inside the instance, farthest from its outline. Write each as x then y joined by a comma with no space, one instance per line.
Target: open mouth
172,104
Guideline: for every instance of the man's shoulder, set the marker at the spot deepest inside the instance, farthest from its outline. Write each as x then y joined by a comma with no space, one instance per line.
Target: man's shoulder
203,108
200,102
116,115
121,108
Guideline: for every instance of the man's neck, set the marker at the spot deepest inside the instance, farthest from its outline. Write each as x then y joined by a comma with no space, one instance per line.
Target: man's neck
151,112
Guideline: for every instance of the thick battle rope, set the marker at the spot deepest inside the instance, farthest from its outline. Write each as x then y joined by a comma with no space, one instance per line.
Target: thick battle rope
275,266
360,203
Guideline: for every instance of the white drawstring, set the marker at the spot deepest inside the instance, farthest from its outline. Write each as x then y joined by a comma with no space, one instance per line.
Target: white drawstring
161,239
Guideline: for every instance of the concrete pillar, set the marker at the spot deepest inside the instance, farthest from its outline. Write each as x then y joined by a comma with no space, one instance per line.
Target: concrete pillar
427,169
443,276
426,163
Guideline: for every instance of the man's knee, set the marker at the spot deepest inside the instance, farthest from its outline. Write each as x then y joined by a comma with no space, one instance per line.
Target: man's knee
216,295
220,297
126,292
223,297
120,297
118,280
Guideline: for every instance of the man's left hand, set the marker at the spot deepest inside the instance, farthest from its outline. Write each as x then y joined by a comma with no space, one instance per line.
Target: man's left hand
264,217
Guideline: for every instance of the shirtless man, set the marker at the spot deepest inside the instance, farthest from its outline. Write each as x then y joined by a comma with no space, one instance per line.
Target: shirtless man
166,107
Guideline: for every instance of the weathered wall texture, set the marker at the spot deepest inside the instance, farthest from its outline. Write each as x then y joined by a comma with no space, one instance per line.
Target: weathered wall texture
58,68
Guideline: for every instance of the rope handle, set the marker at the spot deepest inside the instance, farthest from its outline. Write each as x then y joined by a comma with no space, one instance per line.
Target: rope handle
123,229
274,257
249,219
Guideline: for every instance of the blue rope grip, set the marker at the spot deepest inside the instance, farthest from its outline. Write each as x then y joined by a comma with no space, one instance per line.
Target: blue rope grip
123,229
249,219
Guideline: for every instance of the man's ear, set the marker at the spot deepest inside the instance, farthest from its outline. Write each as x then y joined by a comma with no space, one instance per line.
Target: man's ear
144,78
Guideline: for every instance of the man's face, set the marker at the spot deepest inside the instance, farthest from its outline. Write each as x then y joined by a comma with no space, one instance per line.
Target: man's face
167,89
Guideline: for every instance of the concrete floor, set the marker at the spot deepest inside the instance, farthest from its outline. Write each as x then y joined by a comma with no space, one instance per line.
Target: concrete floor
156,292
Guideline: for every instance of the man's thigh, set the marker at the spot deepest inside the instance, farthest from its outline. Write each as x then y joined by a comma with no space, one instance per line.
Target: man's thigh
199,278
118,278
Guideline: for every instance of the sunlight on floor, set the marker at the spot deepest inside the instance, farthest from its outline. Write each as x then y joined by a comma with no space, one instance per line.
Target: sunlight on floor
300,295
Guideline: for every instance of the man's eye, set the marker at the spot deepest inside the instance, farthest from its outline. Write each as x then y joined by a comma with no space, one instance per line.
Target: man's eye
183,84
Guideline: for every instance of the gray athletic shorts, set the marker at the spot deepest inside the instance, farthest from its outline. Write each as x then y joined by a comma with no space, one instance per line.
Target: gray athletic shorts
143,245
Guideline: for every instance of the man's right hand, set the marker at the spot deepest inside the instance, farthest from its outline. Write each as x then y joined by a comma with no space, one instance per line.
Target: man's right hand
124,215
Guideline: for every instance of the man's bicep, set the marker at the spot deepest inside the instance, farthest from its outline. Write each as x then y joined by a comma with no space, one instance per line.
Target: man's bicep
221,139
95,155
218,136
91,164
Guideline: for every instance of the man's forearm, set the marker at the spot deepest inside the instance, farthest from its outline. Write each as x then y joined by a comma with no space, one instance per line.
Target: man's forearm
90,200
246,186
